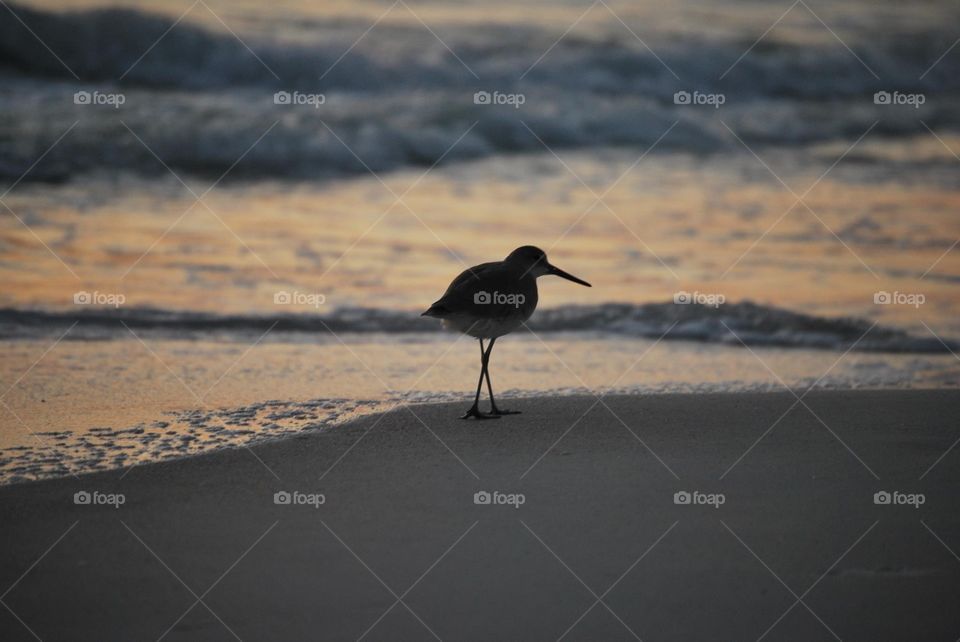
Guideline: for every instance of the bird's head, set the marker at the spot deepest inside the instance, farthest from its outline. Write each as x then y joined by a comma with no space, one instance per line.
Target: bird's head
533,260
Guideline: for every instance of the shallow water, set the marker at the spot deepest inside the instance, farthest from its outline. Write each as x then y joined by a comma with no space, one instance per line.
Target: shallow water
112,404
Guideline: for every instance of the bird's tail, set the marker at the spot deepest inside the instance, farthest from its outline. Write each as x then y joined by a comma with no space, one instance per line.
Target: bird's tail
437,310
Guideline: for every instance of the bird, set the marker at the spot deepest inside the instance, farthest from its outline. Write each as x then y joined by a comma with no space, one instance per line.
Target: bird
490,300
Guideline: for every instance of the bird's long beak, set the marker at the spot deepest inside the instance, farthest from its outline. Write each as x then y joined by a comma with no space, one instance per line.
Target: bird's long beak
552,269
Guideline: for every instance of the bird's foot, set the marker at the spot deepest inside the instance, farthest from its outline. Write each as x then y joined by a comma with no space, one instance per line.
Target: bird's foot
496,412
476,414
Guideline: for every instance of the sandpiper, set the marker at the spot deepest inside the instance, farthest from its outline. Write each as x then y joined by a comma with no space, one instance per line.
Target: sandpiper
490,300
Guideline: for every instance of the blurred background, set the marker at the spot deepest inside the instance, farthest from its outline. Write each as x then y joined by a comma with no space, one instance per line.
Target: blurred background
220,220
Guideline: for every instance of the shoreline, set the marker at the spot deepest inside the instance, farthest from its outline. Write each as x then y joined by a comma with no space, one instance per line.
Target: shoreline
399,519
373,415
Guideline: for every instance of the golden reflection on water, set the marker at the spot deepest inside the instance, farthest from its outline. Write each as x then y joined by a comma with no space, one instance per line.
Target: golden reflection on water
668,224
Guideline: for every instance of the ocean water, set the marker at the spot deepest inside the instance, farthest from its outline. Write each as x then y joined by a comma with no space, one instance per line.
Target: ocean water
761,197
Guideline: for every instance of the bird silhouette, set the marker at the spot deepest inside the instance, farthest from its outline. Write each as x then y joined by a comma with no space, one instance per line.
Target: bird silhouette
490,300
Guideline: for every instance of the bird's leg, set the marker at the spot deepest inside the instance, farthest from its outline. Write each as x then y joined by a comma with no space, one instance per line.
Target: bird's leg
496,412
475,408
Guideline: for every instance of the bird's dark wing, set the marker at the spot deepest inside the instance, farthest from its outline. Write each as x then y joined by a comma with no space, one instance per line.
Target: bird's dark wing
476,273
459,289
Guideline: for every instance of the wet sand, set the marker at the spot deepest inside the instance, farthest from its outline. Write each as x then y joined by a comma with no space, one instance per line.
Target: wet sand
198,549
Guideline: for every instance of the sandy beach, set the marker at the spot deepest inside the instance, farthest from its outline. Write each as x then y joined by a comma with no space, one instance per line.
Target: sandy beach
382,538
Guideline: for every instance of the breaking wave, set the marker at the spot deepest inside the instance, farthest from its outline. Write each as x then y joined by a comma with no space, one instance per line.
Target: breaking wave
200,98
729,324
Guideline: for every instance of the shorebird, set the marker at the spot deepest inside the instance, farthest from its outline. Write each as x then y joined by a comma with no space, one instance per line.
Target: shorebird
490,300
